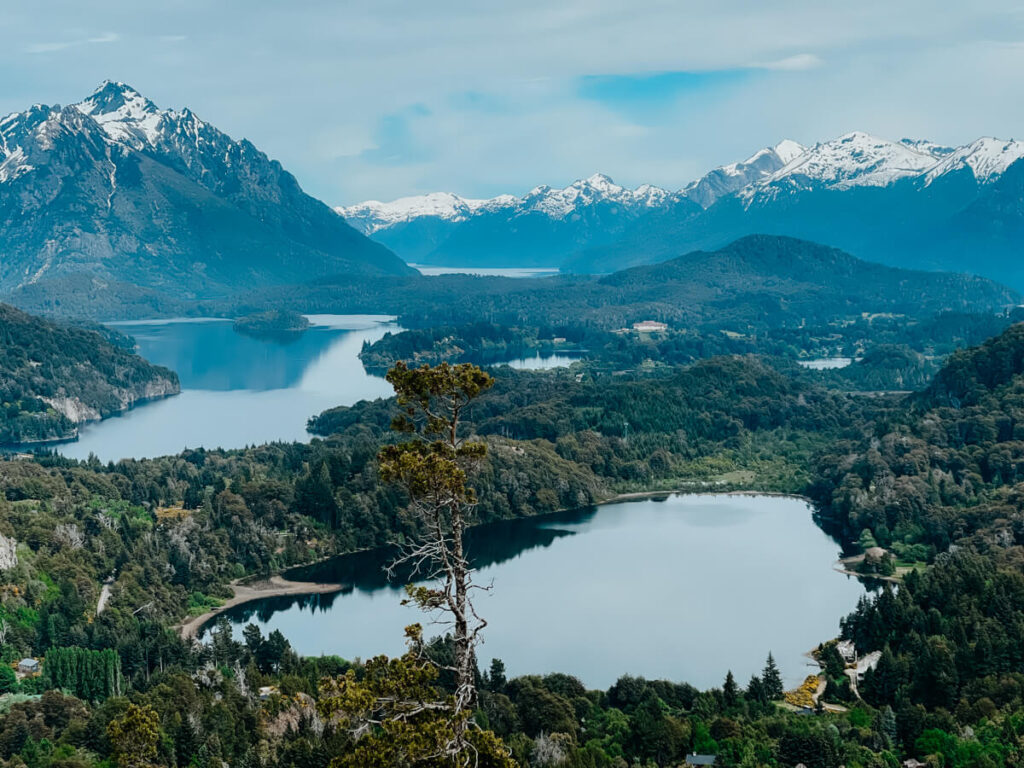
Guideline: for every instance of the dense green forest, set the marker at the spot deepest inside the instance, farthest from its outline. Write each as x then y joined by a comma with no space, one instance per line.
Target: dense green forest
933,477
889,352
53,376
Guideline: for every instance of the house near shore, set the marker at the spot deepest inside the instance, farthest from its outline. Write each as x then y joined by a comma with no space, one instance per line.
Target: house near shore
847,650
28,666
865,663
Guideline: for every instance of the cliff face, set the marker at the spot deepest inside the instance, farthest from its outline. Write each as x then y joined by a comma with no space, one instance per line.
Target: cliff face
8,553
54,377
77,411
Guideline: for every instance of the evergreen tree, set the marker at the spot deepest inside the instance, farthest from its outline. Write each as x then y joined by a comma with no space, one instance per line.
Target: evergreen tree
496,678
730,691
887,726
8,680
756,691
772,680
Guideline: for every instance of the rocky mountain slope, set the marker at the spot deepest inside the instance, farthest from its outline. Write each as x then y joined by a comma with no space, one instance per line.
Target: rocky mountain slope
545,224
908,203
119,189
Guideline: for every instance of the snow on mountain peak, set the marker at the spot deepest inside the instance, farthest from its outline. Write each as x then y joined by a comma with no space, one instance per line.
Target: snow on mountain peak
788,150
986,158
124,113
855,159
373,215
727,179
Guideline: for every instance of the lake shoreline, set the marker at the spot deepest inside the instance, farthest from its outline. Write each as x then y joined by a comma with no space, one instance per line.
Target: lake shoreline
280,586
275,586
367,617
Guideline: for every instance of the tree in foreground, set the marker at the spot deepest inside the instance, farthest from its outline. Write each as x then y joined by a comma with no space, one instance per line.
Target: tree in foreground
397,716
395,711
433,466
134,737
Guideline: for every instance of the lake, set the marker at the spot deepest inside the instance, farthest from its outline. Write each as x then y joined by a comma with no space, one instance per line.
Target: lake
428,270
544,362
238,390
683,587
826,363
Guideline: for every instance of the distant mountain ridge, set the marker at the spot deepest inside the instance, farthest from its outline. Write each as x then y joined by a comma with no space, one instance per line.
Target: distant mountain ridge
544,225
909,203
119,189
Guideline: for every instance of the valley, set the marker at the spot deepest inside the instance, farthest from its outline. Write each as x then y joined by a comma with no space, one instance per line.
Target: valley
648,423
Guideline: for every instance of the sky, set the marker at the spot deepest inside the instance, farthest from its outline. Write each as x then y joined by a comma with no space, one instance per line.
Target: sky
387,98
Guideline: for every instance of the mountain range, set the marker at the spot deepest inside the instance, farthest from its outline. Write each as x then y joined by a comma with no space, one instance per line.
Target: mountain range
908,203
116,189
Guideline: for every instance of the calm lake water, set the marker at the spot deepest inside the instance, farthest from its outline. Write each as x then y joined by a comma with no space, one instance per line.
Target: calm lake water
543,362
826,363
684,588
426,269
238,390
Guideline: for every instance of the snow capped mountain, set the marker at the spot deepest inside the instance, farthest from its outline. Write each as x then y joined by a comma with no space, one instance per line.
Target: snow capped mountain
125,114
116,188
373,215
559,203
595,224
987,158
735,176
855,159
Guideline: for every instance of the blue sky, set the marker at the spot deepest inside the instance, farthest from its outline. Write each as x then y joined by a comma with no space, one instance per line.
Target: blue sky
386,98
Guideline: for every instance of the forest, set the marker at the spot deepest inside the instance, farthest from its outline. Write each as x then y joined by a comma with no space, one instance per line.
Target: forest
42,363
935,478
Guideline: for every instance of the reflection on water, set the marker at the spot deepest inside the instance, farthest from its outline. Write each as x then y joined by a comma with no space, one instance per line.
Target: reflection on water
238,390
366,571
683,587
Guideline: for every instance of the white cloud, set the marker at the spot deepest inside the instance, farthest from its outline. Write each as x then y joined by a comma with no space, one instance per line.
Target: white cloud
106,37
310,81
796,63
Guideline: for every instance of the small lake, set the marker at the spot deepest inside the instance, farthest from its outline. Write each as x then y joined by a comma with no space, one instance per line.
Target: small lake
544,362
683,587
826,363
426,269
238,390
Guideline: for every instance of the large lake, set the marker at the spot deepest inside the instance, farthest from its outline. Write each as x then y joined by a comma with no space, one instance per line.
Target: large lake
684,587
238,390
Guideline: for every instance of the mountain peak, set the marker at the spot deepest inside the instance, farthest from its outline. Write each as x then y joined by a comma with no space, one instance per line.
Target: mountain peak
598,180
855,159
788,150
116,98
986,158
124,113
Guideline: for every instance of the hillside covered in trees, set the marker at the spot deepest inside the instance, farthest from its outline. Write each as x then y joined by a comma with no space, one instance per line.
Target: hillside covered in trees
756,282
54,376
931,477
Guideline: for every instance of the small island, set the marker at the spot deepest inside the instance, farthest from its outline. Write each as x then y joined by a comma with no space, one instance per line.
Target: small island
274,323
